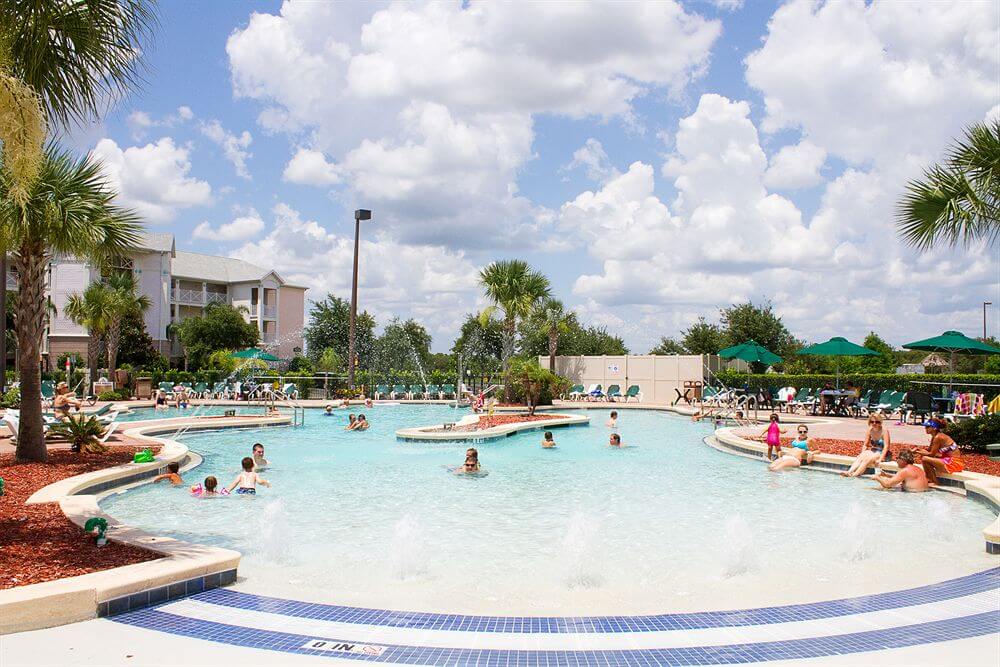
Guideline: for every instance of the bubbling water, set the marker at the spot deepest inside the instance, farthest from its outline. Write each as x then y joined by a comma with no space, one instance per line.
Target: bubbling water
859,540
739,553
407,550
579,546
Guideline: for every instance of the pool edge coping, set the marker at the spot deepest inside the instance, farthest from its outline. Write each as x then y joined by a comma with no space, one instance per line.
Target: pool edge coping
182,569
422,434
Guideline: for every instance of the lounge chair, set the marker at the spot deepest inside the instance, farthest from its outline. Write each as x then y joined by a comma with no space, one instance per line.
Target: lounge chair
48,391
398,391
417,390
804,399
633,392
381,391
595,392
200,390
447,391
433,391
614,391
166,388
290,390
575,392
13,421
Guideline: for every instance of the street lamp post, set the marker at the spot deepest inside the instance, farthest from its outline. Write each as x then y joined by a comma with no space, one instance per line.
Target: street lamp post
985,303
359,215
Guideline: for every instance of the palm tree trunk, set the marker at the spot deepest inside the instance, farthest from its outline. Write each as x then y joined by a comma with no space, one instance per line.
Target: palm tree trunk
510,331
93,359
114,339
553,347
31,266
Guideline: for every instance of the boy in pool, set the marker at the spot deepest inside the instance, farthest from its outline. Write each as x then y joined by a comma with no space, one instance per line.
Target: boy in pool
172,474
362,423
548,442
247,480
615,440
328,411
352,422
259,462
909,478
471,462
612,420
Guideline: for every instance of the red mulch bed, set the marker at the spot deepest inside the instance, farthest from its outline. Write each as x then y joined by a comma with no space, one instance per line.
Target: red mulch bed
38,543
499,419
973,462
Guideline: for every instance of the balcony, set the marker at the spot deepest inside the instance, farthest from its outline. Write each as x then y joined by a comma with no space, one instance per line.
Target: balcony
194,297
267,311
216,297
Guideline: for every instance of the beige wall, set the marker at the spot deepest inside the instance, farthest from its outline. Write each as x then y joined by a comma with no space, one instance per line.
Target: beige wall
291,314
657,375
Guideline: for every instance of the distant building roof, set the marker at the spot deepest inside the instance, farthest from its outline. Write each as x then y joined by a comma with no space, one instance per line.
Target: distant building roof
215,268
157,242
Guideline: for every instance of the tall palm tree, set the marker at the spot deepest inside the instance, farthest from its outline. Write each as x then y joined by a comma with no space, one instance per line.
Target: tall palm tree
125,301
515,289
68,211
957,202
92,310
555,321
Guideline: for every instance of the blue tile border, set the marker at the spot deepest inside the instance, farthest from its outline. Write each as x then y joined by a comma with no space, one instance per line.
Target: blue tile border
988,580
965,627
165,593
100,487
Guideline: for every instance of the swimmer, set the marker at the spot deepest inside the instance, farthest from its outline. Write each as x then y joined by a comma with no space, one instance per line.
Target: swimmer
615,440
369,403
548,442
172,474
612,420
247,480
699,415
259,462
362,423
161,400
328,411
208,489
352,422
471,464
910,477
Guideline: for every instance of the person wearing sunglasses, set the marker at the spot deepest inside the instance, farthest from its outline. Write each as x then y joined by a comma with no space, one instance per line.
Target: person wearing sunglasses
874,451
800,453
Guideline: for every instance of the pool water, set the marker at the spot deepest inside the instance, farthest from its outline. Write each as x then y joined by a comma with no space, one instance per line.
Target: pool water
140,414
667,523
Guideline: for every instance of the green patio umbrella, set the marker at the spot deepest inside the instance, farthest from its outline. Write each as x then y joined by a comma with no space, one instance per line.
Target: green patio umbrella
254,353
838,347
953,342
750,352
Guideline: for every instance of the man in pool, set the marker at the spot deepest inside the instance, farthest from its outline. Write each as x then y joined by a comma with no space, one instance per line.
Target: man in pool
615,440
548,442
910,477
352,422
259,462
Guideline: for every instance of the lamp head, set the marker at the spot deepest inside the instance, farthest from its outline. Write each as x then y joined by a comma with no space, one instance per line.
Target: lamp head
362,214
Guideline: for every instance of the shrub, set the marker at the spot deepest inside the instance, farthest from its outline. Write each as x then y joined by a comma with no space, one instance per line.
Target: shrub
119,395
11,398
974,434
83,432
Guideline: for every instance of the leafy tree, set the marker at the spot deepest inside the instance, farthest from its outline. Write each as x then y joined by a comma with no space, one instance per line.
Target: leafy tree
745,321
329,361
703,338
554,321
68,210
531,382
515,290
83,431
136,347
124,301
668,346
885,362
92,310
480,342
222,327
957,202
593,341
299,364
329,327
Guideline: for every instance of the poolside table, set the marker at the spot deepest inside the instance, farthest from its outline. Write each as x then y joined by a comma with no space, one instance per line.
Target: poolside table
838,399
942,404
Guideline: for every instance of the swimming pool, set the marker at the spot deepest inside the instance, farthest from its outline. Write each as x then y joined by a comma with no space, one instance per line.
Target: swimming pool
666,524
141,414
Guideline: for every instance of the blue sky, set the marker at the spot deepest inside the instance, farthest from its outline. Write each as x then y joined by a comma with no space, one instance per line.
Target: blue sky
657,161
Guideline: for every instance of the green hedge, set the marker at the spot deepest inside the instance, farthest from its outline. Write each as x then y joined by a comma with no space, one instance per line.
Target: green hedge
877,381
974,434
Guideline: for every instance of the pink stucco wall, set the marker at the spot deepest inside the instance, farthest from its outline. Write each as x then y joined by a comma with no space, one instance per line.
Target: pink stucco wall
291,317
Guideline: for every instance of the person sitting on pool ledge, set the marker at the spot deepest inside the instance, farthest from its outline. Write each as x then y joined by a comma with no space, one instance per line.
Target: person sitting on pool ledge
615,440
943,455
362,423
352,422
909,478
801,451
612,420
548,442
874,451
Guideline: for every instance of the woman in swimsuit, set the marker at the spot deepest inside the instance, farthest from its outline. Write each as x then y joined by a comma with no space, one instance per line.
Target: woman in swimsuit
943,457
801,452
875,449
64,400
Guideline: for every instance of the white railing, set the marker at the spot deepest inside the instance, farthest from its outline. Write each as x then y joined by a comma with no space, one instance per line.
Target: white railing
253,310
195,296
268,337
11,281
270,312
217,297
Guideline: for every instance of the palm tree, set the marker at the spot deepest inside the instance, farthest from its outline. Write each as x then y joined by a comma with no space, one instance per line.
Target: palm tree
125,301
957,202
555,321
68,211
515,289
92,310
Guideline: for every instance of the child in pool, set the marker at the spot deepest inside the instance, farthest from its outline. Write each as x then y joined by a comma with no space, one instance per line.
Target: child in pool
172,474
773,434
471,461
248,480
548,442
612,420
362,423
208,489
259,462
352,422
328,411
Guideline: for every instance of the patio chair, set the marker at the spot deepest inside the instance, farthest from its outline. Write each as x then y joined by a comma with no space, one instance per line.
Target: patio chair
48,391
596,392
614,391
218,390
894,403
290,390
447,391
381,390
433,391
633,392
575,392
804,399
398,391
708,394
12,419
166,388
200,390
918,404
417,390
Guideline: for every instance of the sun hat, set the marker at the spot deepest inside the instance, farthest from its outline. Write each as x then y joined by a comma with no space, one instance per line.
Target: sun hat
934,423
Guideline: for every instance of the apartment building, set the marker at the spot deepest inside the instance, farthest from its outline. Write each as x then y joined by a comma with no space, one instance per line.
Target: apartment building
179,285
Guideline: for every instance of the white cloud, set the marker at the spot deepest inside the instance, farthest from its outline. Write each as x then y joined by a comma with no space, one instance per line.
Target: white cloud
728,5
796,166
241,228
233,146
141,122
309,167
153,179
593,159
